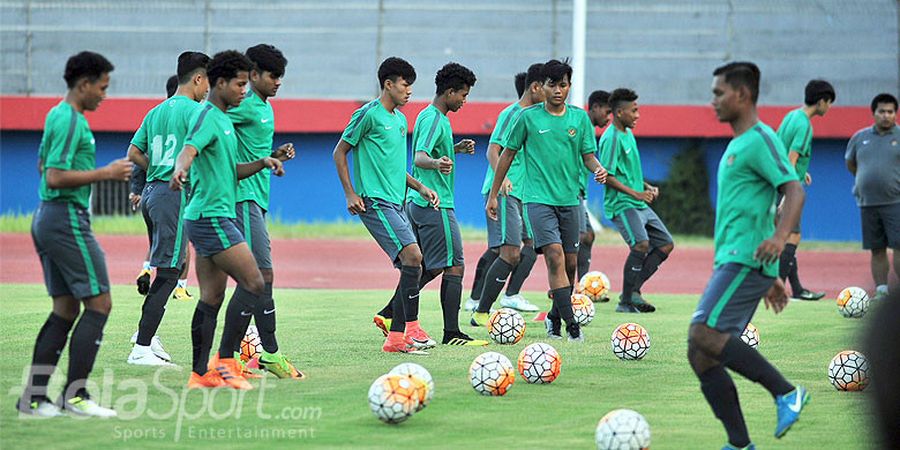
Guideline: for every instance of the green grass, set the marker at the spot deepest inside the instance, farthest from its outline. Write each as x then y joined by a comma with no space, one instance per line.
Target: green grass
329,334
353,229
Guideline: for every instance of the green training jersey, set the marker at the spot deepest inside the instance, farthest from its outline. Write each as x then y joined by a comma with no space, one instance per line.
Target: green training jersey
750,171
619,154
796,133
254,124
161,135
214,170
434,136
588,176
67,144
378,138
553,147
516,173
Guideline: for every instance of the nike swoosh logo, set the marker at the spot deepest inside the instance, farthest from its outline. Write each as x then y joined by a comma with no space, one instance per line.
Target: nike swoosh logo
245,313
543,131
865,142
501,281
627,151
268,311
227,132
263,120
97,342
697,314
388,128
795,407
413,296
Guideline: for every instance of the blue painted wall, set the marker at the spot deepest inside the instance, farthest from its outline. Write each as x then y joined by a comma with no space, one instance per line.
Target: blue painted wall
311,191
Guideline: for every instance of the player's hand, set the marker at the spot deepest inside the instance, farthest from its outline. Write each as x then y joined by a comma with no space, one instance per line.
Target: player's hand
506,187
600,175
769,250
644,196
653,190
466,146
355,204
444,164
491,208
119,169
179,178
285,152
776,299
431,196
808,179
135,200
274,164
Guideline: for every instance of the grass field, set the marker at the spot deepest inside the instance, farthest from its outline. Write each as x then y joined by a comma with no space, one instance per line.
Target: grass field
329,334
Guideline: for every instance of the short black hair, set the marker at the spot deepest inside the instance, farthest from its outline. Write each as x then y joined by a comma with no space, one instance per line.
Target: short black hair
227,64
883,97
620,96
741,73
88,65
453,76
171,85
393,68
818,90
598,98
189,63
535,74
519,81
267,58
555,70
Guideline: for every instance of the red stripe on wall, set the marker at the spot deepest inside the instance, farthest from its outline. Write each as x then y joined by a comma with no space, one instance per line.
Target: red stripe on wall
476,118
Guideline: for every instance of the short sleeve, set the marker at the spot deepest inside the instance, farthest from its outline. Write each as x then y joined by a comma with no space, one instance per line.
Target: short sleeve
426,138
588,143
770,161
359,125
798,134
61,141
516,137
140,139
202,131
240,114
501,128
850,154
608,143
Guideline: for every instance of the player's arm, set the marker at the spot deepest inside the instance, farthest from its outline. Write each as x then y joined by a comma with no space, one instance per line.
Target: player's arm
466,146
138,157
182,167
355,203
247,169
850,156
493,156
506,159
119,169
423,160
613,182
593,164
423,190
285,152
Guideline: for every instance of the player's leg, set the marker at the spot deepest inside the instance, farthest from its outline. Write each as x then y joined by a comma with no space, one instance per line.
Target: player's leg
446,252
721,394
491,253
48,347
586,242
527,257
631,227
569,219
510,250
661,246
212,282
143,278
181,292
875,239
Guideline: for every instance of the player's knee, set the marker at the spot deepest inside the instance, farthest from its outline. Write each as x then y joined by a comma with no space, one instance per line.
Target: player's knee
667,249
706,339
587,238
512,255
68,308
254,284
411,255
455,270
268,275
101,303
642,246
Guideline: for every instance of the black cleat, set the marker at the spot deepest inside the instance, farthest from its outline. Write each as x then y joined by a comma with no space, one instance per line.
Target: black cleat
626,308
806,294
573,330
642,305
460,338
553,327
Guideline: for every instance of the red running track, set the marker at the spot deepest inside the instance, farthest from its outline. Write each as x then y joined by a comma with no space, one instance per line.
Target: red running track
360,264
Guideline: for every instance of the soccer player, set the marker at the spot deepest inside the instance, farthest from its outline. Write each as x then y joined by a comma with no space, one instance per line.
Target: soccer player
557,140
871,157
209,156
510,253
376,135
598,111
436,229
796,133
254,124
627,200
155,147
752,171
73,262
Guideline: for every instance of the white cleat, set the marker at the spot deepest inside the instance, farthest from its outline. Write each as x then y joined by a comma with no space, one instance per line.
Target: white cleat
41,407
518,302
156,346
471,304
85,407
145,356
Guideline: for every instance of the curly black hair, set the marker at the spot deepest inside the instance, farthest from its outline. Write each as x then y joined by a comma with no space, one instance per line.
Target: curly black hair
598,98
453,76
394,68
620,96
267,58
88,65
189,63
226,65
741,73
555,70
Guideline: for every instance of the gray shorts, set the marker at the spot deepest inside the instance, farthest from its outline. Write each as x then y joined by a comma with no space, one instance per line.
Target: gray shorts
881,226
554,225
164,209
731,298
438,236
509,228
638,225
213,235
73,262
585,219
388,224
251,222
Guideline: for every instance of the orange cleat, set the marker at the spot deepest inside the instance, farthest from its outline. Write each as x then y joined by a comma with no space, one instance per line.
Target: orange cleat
230,371
398,343
210,379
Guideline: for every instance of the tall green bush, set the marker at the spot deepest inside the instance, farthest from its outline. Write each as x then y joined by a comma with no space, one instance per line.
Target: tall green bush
684,204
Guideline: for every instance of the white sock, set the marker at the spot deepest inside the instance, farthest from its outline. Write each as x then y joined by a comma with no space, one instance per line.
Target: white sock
881,289
182,283
146,265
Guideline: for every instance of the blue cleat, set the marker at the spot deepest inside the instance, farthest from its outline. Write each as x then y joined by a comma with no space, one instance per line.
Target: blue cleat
731,447
789,406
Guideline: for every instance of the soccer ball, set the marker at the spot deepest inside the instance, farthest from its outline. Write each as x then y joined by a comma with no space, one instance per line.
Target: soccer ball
630,341
421,375
853,302
492,374
539,363
251,346
393,398
583,308
750,336
623,429
848,371
506,326
595,285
